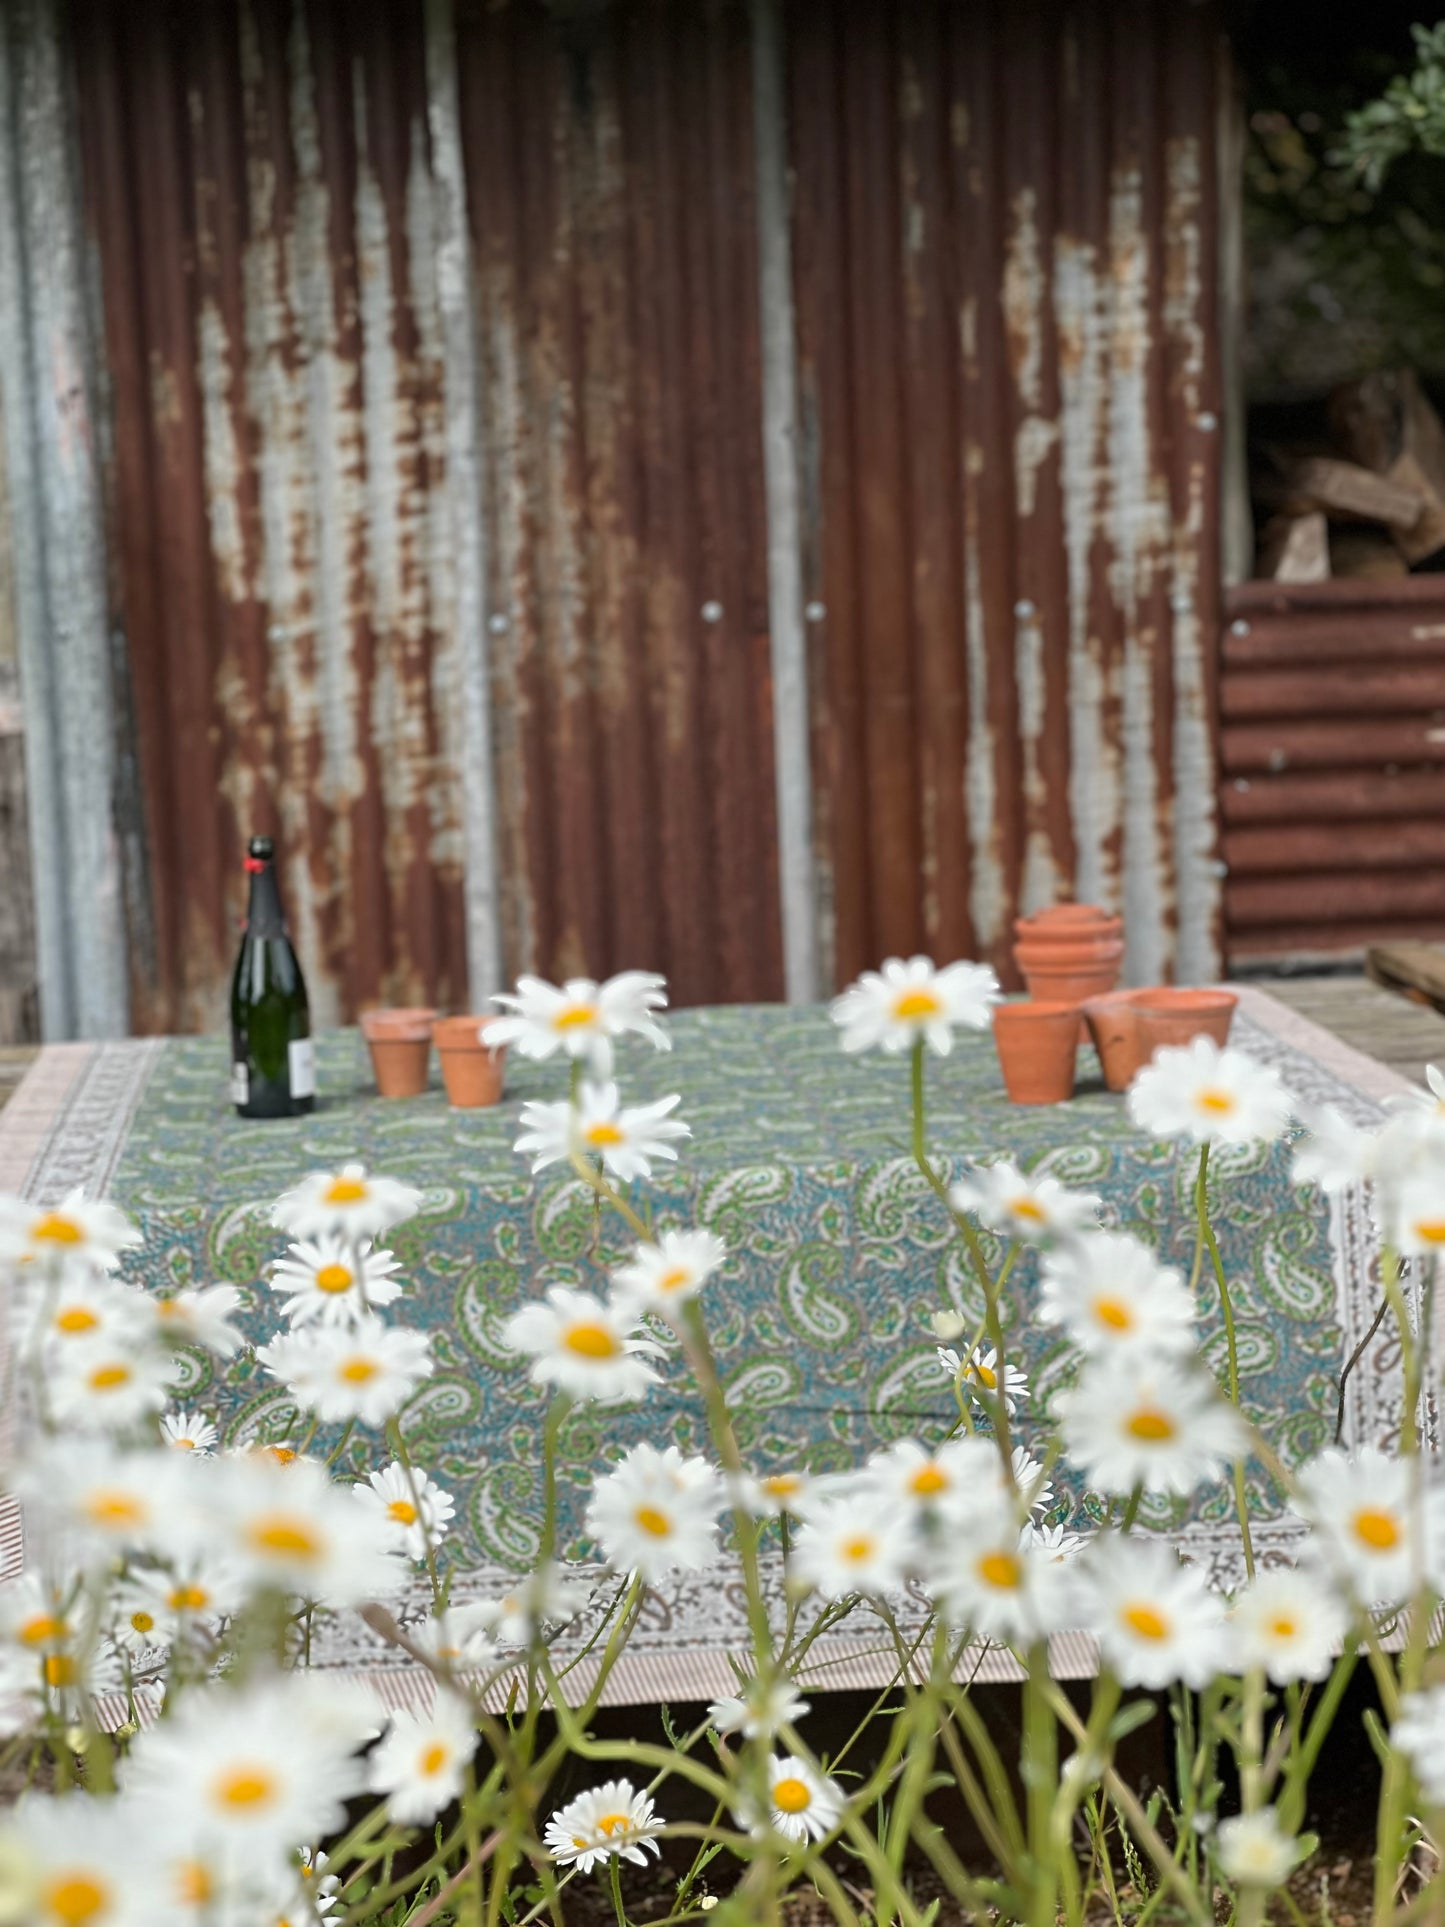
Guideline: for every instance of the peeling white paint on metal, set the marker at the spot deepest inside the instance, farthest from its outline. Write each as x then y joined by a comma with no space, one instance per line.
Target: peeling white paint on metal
1082,320
1042,882
1022,295
1033,444
987,899
1139,530
220,455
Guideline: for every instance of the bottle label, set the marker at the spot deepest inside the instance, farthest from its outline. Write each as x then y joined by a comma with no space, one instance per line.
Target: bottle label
240,1084
302,1055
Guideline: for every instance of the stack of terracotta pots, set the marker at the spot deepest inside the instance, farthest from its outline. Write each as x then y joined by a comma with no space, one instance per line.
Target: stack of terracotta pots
1067,954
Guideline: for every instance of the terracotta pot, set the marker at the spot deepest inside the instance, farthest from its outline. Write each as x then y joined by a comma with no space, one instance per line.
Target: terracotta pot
1113,1024
1037,1046
1061,913
1174,1016
400,1044
1053,983
1081,953
1068,923
471,1069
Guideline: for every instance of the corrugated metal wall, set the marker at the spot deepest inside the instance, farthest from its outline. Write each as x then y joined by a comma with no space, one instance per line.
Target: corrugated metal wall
260,198
1004,253
1002,239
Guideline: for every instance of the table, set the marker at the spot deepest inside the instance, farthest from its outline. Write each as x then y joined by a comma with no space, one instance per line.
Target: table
838,1254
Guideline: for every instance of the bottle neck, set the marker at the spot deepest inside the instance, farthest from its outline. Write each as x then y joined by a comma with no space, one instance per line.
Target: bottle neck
263,913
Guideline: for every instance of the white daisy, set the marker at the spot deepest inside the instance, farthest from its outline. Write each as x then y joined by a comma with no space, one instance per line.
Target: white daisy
81,1862
1033,1210
78,1230
581,1018
585,1348
771,1494
333,1280
627,1141
83,1307
1252,1850
1413,1211
906,1003
1156,1621
546,1596
1334,1154
1367,1527
1053,1542
107,1387
986,1484
416,1510
1208,1095
154,1607
101,1503
1288,1623
911,1479
365,1372
994,1581
347,1203
980,1373
660,1277
1419,1733
656,1512
422,1761
61,1683
1111,1294
759,1711
1427,1105
201,1317
458,1639
804,1804
39,1613
189,1432
257,1767
290,1528
611,1819
845,1547
1148,1422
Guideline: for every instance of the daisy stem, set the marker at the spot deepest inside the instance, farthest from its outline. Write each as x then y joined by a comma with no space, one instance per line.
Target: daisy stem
1226,1306
614,1868
1040,1766
398,1439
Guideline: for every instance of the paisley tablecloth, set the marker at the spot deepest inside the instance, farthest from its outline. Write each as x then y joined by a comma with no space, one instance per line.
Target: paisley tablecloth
837,1255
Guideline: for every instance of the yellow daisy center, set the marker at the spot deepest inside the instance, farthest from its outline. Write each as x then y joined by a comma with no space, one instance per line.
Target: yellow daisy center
1114,1313
75,1899
781,1485
1220,1103
928,1481
916,1004
1379,1530
656,1523
611,1823
357,1371
345,1190
172,1308
855,1551
434,1758
1431,1230
142,1621
675,1279
194,1887
108,1378
1026,1209
58,1669
40,1630
792,1795
56,1229
1147,1621
76,1318
603,1133
189,1599
591,1341
1001,1569
333,1278
575,1017
245,1786
985,1374
1150,1426
282,1454
184,1445
109,1507
285,1534
1283,1627
403,1511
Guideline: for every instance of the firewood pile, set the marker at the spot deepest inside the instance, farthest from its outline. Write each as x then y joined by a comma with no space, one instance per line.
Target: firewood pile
1366,498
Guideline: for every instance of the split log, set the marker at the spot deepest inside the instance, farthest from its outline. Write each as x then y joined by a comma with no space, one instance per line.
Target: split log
1386,422
1350,492
1295,548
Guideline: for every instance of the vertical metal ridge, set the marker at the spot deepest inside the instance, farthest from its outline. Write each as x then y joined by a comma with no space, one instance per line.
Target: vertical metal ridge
792,759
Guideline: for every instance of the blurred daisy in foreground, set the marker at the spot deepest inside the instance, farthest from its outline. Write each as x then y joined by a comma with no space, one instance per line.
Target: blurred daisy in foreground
626,1140
366,1371
656,1512
997,1583
417,1511
78,1230
1111,1294
1419,1733
907,1003
1154,1425
659,1277
334,1280
546,1596
1367,1525
421,1762
1156,1621
83,1308
1253,1851
290,1529
771,1494
1208,1095
81,1862
581,1017
107,1387
201,1316
1286,1622
1035,1210
611,1819
584,1347
347,1202
804,1804
759,1711
845,1548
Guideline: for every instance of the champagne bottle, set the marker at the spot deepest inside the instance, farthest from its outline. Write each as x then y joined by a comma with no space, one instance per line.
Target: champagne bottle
273,1066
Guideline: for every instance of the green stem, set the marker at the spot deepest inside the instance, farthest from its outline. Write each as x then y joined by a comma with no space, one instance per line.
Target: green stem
1226,1305
1041,1779
614,1868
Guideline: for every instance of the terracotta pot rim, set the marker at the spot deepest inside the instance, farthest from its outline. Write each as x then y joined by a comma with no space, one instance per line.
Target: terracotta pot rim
1036,1008
1069,913
463,1033
1181,998
1062,956
397,1023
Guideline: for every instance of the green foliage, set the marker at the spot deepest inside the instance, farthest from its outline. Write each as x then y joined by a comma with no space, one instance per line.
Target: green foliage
1409,115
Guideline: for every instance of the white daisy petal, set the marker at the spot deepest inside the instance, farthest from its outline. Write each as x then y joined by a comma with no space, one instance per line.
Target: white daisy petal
611,1820
656,1512
1207,1095
905,1003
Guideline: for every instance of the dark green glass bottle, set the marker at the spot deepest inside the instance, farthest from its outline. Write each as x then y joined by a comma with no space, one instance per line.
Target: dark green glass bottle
273,1065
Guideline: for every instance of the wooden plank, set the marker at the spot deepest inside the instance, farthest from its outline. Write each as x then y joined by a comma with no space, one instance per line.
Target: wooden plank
1295,548
1345,489
1414,970
1404,1035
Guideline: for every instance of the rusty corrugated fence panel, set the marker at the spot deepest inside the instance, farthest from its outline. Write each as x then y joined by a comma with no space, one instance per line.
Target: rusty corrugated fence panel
1005,281
259,192
609,168
1332,740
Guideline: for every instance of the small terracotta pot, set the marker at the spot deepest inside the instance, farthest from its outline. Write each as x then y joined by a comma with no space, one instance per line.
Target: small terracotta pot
1113,1024
471,1069
1173,1016
1079,953
1051,983
1037,1045
400,1044
1066,922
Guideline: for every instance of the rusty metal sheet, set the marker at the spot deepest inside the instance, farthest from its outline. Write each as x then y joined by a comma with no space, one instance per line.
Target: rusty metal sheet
1333,754
610,190
1005,275
257,180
